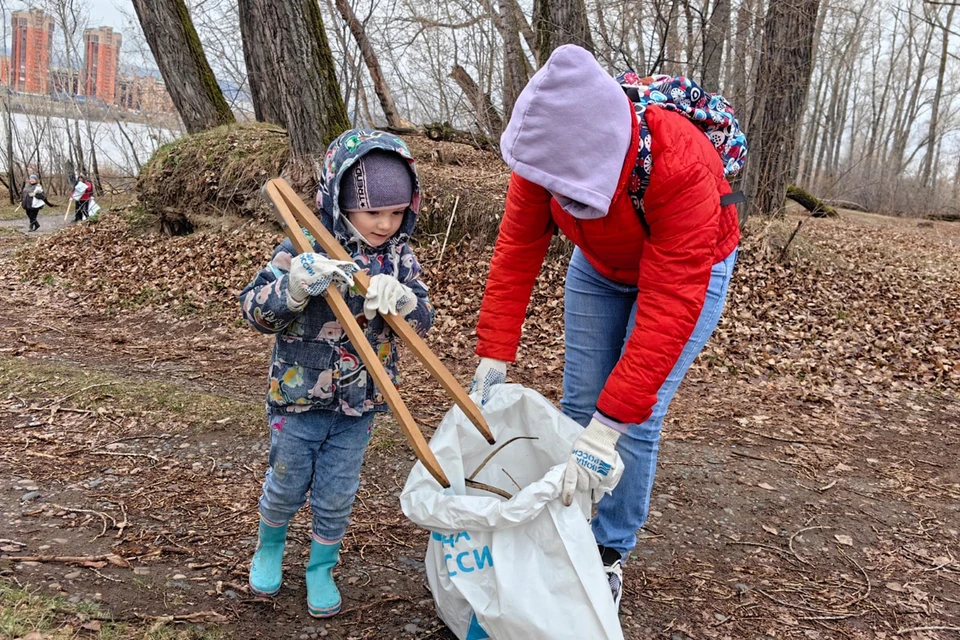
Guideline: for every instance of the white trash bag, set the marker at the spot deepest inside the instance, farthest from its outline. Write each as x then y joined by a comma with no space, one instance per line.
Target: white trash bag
519,569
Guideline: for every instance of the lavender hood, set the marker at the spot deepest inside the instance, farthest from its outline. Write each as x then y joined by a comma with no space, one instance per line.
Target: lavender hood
570,132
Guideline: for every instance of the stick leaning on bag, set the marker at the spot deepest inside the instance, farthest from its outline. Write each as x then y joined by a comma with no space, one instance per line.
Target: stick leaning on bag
294,214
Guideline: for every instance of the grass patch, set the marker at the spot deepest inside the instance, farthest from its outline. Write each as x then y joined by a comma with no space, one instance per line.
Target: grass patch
11,212
22,612
91,390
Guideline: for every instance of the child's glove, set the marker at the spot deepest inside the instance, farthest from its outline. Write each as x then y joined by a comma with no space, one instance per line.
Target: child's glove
490,372
311,274
386,294
594,462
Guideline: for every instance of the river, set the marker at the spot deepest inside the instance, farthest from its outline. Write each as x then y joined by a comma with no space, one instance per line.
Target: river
115,154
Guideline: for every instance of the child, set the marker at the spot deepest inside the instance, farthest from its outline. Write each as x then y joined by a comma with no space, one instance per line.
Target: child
33,199
321,401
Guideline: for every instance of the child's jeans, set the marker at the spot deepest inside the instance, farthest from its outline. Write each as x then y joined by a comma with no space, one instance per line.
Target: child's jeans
598,318
321,451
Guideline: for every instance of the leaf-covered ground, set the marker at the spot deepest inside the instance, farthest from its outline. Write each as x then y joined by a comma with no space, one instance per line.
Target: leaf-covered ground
808,484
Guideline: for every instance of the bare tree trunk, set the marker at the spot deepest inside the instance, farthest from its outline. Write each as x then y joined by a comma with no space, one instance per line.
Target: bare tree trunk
735,86
373,66
487,115
266,87
94,167
956,182
289,41
927,165
560,22
716,35
11,169
514,60
907,112
186,73
671,38
524,27
783,77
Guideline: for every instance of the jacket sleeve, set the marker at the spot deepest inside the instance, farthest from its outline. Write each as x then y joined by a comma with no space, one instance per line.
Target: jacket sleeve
264,301
420,318
682,208
522,244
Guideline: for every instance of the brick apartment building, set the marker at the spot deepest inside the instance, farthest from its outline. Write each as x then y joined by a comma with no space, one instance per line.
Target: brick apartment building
27,68
30,51
101,50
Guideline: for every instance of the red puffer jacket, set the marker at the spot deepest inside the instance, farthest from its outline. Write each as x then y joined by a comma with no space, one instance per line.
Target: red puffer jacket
689,233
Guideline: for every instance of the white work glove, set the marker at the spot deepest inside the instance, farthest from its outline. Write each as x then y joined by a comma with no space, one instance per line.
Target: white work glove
490,373
594,463
386,294
311,274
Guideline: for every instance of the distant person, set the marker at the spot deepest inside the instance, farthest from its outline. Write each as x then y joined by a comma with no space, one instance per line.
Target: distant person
33,199
82,193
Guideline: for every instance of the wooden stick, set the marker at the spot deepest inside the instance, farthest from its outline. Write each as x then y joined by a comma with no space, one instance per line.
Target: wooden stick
279,191
362,345
449,226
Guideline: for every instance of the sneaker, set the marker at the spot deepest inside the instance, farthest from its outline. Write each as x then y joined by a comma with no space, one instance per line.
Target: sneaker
613,566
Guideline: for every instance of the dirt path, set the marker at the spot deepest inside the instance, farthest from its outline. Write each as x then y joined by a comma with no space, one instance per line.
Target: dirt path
48,223
135,440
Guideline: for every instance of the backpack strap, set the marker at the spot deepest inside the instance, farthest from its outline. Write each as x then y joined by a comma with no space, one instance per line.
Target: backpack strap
732,198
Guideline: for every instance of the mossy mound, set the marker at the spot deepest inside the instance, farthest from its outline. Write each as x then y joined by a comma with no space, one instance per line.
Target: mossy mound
214,173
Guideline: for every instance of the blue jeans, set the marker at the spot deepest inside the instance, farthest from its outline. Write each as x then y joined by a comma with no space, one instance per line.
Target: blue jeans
321,451
598,318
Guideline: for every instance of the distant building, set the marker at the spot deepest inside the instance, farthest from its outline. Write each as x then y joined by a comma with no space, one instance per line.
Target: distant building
101,49
4,70
66,82
146,94
30,53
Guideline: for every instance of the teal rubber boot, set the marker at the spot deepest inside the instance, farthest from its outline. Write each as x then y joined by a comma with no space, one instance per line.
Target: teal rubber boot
323,598
266,570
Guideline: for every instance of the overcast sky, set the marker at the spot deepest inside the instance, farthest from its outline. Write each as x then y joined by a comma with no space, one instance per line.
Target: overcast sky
107,13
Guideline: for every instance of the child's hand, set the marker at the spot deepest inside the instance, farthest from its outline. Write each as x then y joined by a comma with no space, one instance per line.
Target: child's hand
386,294
312,273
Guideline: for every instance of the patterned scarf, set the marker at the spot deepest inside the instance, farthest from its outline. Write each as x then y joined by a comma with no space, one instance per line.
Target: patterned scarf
709,111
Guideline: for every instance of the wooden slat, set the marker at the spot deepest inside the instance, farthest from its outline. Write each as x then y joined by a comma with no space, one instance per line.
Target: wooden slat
362,345
400,326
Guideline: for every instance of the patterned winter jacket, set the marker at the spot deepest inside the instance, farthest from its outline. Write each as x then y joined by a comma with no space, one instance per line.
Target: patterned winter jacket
314,365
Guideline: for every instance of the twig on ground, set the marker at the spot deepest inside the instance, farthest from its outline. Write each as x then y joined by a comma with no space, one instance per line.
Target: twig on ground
102,516
9,541
900,632
790,440
110,558
125,455
865,594
798,532
79,391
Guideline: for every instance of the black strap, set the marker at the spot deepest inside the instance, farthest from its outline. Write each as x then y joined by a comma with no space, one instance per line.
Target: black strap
732,198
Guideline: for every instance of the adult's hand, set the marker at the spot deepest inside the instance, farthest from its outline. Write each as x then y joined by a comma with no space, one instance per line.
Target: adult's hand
489,374
594,463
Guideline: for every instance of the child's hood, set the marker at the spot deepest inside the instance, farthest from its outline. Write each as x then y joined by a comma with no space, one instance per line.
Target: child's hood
343,152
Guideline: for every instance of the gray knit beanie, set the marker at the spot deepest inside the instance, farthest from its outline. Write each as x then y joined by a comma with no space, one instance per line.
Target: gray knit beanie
379,180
